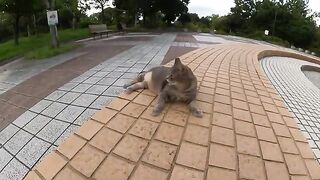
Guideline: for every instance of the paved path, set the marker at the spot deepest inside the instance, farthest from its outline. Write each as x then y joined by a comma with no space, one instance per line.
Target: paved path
299,93
246,133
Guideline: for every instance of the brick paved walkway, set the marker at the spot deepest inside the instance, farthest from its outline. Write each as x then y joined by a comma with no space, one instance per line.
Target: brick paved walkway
246,133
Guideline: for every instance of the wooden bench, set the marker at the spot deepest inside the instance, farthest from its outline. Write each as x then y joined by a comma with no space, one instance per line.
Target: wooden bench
99,29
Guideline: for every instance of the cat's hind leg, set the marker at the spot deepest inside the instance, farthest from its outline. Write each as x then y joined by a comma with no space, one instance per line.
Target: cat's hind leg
136,86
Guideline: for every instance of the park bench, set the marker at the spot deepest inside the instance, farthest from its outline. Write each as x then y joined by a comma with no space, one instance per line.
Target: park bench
99,29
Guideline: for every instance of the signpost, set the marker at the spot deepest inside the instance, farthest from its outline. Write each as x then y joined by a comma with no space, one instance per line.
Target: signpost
52,17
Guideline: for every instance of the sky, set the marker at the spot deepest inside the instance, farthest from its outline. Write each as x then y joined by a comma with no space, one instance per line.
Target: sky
222,7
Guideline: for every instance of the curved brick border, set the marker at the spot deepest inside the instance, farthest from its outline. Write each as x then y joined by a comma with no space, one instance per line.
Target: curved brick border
246,132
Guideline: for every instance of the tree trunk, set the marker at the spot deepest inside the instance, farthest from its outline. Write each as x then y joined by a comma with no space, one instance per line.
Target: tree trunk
53,28
34,23
74,20
103,19
16,30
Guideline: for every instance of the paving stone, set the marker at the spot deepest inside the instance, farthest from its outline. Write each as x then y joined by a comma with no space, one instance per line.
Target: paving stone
89,129
169,133
131,147
37,124
113,91
24,118
276,171
160,154
54,109
46,167
70,113
68,86
68,173
17,141
55,95
105,139
81,88
219,173
69,97
144,129
71,146
52,130
70,130
180,173
32,152
97,89
87,160
192,155
84,116
248,145
14,170
92,80
40,106
5,157
222,156
115,168
107,81
251,167
7,133
84,100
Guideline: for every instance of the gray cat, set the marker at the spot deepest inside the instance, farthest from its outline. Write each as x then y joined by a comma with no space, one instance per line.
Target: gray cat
172,84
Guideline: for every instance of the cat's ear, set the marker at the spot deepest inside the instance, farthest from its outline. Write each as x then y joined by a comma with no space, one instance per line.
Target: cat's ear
177,63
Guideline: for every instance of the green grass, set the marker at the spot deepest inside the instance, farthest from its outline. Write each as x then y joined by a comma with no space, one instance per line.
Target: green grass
48,51
35,46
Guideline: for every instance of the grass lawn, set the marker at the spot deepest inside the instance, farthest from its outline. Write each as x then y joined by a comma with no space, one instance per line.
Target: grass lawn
38,46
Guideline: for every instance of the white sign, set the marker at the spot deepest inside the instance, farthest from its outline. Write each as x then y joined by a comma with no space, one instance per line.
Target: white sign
52,17
266,32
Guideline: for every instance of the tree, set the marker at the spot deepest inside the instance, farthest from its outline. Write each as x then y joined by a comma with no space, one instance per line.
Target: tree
53,28
172,9
17,9
100,4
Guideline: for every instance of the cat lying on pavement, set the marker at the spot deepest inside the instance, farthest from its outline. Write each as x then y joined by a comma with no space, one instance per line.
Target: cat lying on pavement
171,84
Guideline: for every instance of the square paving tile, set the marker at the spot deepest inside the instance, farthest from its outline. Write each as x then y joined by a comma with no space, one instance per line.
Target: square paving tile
81,88
5,157
121,82
68,86
84,100
107,81
54,109
101,101
40,106
24,118
7,133
115,74
97,89
37,124
55,95
84,116
69,97
113,91
53,130
71,129
14,171
18,141
70,113
32,152
92,80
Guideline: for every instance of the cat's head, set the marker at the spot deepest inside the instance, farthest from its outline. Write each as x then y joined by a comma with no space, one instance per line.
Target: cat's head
180,74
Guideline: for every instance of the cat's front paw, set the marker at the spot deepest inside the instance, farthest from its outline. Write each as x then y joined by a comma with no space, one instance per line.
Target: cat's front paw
198,113
156,112
128,91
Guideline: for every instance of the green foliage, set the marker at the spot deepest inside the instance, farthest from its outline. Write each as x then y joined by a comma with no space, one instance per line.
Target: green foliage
8,50
48,51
